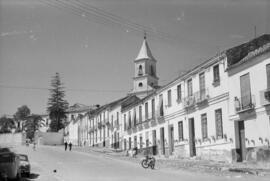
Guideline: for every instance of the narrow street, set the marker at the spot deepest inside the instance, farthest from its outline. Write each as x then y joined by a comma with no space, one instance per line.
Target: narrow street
55,164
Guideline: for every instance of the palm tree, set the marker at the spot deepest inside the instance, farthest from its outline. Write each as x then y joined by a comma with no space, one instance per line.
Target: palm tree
33,123
6,124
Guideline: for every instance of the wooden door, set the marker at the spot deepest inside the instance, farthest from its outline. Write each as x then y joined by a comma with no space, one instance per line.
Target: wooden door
242,141
192,137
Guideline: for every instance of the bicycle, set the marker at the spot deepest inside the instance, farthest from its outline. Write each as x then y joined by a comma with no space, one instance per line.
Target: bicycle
148,161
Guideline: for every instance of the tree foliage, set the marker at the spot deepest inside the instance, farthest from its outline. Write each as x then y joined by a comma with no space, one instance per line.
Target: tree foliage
22,113
57,105
6,124
33,123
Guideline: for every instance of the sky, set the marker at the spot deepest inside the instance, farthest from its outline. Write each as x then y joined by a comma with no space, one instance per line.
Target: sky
94,56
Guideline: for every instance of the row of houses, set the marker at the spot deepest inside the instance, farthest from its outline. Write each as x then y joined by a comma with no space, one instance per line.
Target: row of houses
218,110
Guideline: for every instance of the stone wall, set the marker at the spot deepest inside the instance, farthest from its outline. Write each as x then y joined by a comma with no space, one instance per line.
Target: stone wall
12,139
50,138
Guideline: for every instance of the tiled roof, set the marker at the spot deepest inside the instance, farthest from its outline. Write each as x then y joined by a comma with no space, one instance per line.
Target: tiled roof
109,105
80,108
236,54
257,52
132,100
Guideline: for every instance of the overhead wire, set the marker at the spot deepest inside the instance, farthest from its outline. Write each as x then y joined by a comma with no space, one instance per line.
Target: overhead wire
67,89
90,12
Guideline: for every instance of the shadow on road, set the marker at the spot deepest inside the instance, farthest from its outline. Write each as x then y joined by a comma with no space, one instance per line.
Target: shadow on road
31,177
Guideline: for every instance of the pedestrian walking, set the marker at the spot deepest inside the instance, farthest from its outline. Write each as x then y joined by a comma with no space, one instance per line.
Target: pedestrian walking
34,145
70,145
66,145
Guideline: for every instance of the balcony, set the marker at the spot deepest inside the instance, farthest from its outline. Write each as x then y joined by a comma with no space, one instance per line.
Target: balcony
245,103
201,96
139,126
146,124
265,97
189,101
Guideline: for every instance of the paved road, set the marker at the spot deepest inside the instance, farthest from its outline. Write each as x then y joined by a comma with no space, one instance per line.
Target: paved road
77,166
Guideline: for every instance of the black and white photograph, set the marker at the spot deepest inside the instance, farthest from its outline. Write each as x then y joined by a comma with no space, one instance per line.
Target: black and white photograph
137,90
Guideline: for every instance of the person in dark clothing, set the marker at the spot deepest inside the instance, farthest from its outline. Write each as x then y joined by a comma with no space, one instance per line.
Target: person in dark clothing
70,145
66,144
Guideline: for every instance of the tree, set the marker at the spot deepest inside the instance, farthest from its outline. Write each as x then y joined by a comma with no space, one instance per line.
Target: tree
33,123
6,124
21,115
57,105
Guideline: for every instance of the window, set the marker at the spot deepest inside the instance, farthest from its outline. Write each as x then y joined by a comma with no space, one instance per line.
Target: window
129,119
154,137
246,100
169,93
204,126
202,82
135,141
140,84
152,70
117,118
189,87
153,108
219,124
268,75
100,135
129,143
140,70
134,117
179,93
180,131
140,114
216,74
141,142
146,110
112,120
147,139
125,122
161,112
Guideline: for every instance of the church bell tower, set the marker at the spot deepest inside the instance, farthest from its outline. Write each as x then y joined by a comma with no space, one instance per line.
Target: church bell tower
145,79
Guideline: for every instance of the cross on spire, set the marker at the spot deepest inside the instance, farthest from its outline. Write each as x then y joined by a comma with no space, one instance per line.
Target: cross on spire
144,34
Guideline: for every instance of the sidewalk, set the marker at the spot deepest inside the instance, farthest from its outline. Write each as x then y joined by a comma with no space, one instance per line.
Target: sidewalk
189,164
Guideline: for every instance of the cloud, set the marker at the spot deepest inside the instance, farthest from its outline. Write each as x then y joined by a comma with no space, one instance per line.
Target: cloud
29,33
15,32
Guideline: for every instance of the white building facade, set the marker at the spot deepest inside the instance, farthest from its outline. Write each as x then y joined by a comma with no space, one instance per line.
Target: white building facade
249,84
208,112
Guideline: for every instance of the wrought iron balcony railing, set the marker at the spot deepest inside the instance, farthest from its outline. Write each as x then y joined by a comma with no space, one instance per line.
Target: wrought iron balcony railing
201,96
244,103
189,101
265,97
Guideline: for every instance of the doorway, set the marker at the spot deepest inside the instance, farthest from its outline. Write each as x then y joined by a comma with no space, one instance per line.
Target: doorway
162,141
192,147
241,151
171,139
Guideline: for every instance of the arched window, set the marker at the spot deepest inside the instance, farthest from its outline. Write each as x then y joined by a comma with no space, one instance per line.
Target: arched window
140,84
152,71
140,72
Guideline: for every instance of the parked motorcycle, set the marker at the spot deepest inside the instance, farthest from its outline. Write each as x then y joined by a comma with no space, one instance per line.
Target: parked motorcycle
148,161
